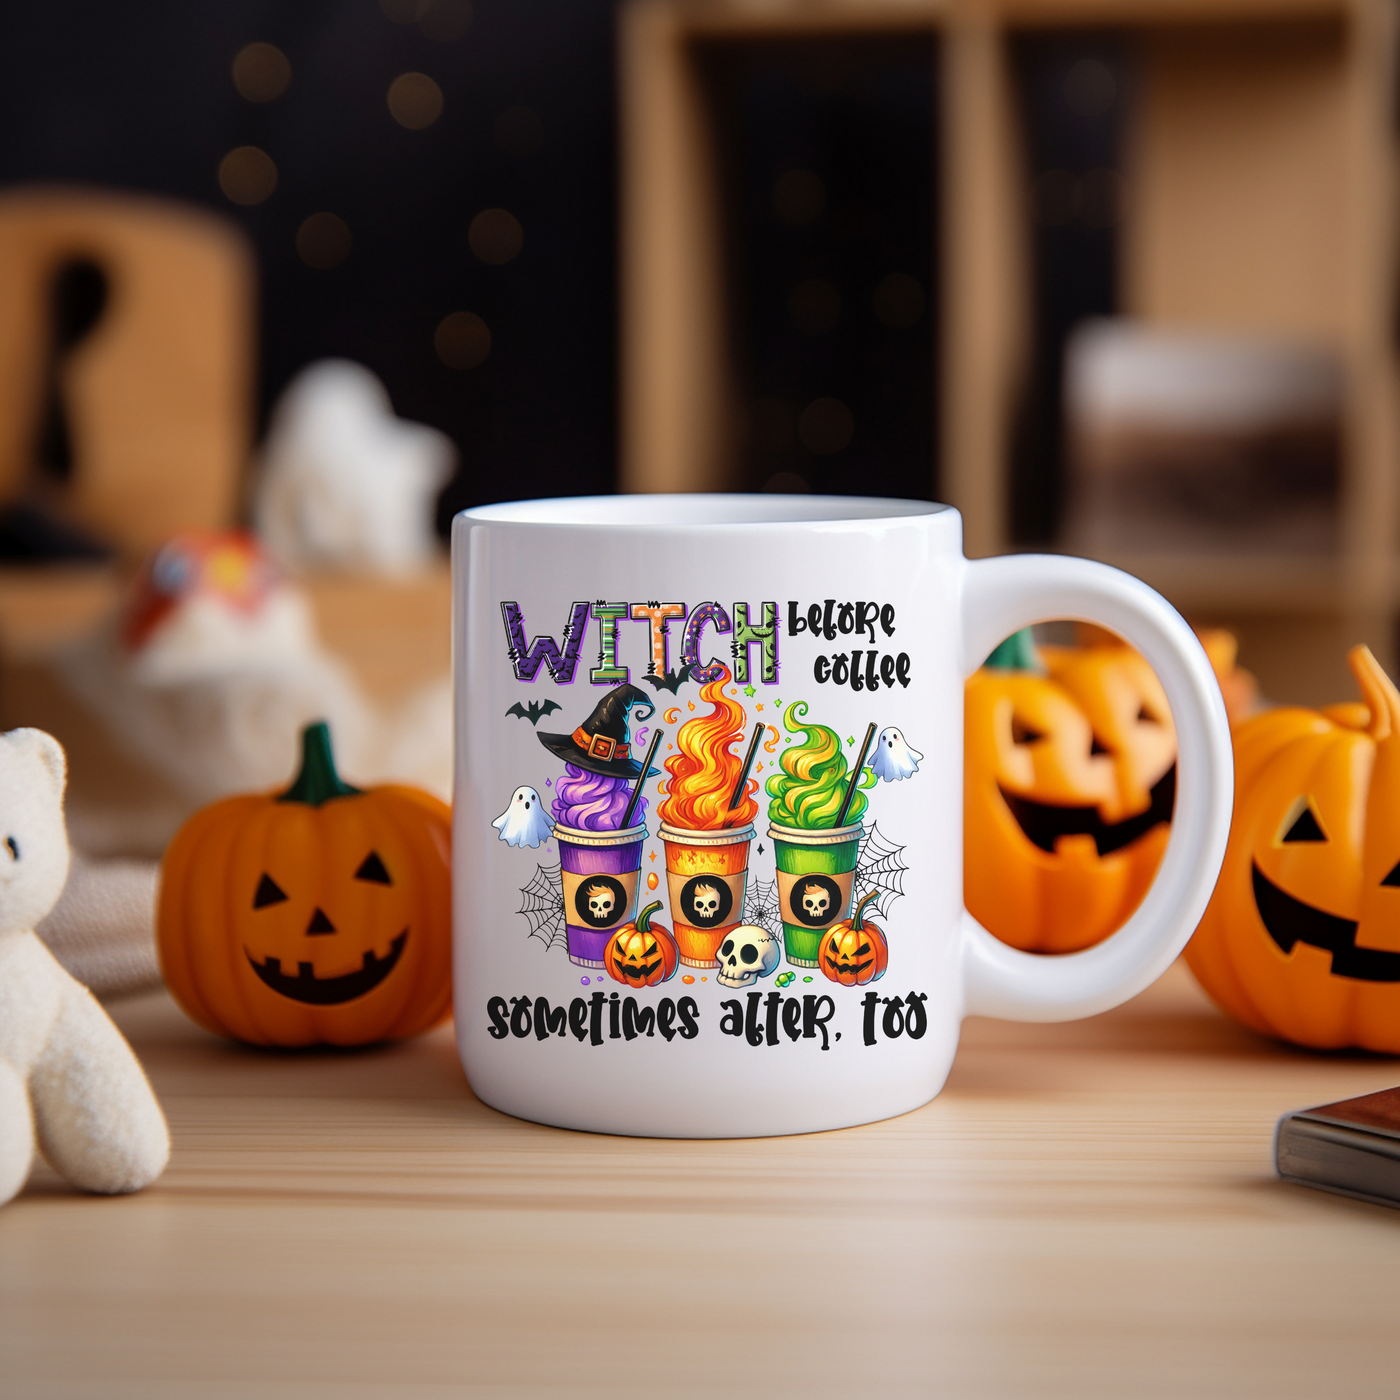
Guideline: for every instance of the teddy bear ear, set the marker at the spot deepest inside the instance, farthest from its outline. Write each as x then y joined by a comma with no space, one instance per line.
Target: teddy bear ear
46,749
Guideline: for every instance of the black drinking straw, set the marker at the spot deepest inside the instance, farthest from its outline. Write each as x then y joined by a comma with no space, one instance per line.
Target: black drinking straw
748,763
642,781
855,775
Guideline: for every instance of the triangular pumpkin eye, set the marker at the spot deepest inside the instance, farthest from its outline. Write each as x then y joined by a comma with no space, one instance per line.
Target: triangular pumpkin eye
1097,746
1305,827
268,892
1023,733
1144,717
1393,879
372,868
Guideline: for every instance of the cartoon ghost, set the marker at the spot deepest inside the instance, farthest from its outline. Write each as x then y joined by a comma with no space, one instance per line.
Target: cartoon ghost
525,822
893,758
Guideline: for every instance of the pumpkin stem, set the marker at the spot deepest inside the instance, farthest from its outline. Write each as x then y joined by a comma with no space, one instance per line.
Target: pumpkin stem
1378,691
642,923
1016,653
318,781
860,909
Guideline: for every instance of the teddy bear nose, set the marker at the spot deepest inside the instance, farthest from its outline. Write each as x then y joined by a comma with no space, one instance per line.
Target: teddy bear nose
319,923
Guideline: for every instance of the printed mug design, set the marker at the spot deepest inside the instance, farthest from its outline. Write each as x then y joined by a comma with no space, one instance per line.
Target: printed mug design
744,895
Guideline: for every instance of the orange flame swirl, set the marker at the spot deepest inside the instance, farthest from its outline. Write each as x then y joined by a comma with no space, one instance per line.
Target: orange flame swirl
705,768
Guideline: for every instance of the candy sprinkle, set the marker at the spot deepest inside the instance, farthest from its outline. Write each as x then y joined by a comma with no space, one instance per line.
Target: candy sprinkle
687,979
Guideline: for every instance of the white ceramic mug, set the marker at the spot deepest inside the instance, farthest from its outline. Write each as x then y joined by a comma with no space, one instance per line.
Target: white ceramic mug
866,613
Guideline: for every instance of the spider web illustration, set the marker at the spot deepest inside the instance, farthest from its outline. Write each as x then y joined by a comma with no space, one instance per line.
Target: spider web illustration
761,906
879,867
542,904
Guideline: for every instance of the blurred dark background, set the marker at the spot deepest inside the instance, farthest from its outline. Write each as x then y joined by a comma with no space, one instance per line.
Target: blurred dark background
145,98
431,187
827,153
1074,92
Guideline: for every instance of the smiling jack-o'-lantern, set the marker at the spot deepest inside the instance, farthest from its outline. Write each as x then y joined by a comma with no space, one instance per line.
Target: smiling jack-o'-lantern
1301,939
319,915
1070,777
642,953
854,951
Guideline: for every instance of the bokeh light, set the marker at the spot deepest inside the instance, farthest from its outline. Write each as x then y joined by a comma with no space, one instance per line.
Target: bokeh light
799,197
495,236
1095,199
898,301
1100,198
519,132
772,425
1090,88
825,427
261,72
442,20
787,484
462,340
323,241
247,175
814,306
446,20
415,101
1053,198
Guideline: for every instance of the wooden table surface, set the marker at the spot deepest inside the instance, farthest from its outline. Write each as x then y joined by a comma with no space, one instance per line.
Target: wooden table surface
1086,1210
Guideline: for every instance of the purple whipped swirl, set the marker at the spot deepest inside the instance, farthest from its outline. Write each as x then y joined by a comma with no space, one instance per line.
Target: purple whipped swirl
591,802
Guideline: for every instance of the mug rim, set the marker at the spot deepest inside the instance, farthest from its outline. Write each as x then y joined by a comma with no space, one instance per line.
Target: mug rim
700,511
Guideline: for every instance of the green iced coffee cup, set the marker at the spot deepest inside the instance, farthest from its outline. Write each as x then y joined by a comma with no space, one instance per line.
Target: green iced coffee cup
816,874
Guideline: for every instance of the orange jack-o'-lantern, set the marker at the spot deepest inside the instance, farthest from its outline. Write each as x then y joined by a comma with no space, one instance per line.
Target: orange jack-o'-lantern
642,953
320,915
1070,777
1302,936
854,951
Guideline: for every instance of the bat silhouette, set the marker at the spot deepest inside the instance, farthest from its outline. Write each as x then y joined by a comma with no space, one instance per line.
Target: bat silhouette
536,712
672,680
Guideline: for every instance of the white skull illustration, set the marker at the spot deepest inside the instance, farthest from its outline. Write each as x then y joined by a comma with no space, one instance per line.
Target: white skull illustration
600,903
815,902
705,901
746,955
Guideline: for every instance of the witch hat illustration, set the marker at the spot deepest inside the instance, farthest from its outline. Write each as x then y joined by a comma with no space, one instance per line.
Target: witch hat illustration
600,743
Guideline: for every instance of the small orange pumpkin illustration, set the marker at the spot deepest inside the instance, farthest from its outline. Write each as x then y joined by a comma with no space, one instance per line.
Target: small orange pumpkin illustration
642,954
318,915
1301,939
854,951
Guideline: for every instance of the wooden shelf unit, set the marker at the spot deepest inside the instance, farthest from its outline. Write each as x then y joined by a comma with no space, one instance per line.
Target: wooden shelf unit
1262,197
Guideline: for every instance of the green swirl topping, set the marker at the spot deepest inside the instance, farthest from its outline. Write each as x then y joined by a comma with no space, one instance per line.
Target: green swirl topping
808,793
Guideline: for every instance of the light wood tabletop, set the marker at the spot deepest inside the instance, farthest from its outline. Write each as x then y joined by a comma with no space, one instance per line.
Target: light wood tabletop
1086,1210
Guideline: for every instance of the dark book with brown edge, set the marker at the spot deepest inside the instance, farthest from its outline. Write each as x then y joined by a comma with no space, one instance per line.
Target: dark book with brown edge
1352,1147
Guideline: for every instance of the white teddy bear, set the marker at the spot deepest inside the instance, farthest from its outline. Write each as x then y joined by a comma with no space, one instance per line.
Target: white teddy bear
67,1077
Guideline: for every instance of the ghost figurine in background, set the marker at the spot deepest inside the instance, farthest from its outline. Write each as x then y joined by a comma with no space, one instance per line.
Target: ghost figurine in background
344,483
525,822
893,758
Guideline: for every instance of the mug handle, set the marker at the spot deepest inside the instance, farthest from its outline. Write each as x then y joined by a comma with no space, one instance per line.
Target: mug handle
999,597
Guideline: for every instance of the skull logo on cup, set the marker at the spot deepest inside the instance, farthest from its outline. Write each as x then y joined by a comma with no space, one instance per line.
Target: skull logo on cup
746,955
706,902
601,901
816,901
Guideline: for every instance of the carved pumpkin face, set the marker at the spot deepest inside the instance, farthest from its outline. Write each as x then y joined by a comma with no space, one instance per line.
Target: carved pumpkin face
1069,785
1302,936
853,952
642,954
321,915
